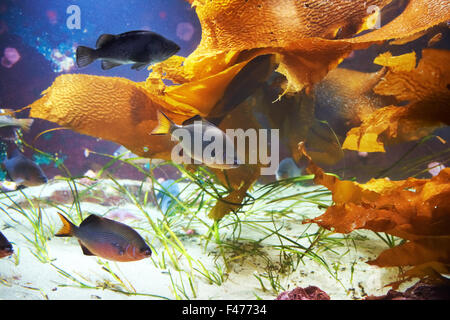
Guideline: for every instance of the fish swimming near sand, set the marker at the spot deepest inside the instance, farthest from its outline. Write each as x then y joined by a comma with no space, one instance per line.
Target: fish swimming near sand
139,48
24,171
198,143
105,238
6,248
9,125
288,169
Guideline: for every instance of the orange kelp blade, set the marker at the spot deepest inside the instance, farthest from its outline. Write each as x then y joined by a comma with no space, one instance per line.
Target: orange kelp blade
303,36
417,210
424,87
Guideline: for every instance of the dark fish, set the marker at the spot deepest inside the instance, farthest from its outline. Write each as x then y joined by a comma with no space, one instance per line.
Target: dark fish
24,171
139,48
106,238
200,129
243,85
6,248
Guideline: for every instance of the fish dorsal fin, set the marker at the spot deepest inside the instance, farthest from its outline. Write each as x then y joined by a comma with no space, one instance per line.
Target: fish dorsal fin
92,219
199,118
85,250
104,39
192,120
135,32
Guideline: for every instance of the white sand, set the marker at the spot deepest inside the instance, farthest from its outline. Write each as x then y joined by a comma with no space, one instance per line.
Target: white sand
23,276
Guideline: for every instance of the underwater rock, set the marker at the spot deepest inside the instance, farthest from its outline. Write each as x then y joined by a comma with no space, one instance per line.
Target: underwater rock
112,200
7,186
308,293
61,196
121,215
89,179
419,291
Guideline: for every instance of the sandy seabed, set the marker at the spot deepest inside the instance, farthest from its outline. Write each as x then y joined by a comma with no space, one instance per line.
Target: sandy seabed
23,276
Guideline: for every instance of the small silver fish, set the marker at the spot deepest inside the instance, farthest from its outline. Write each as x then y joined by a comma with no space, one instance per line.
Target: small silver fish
24,171
105,238
8,125
287,169
226,159
139,48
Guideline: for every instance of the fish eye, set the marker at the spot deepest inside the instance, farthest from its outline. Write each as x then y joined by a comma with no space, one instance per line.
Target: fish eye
146,251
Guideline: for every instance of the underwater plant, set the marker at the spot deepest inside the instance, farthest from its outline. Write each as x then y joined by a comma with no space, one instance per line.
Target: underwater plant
303,53
304,43
416,210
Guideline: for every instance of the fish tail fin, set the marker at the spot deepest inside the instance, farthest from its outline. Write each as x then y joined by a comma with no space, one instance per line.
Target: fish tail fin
67,229
85,56
164,124
25,124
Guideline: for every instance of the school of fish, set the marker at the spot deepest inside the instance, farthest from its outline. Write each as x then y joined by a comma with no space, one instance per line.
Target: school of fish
110,239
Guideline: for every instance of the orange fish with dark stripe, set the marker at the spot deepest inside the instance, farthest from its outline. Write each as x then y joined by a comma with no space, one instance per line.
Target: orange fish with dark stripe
106,238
